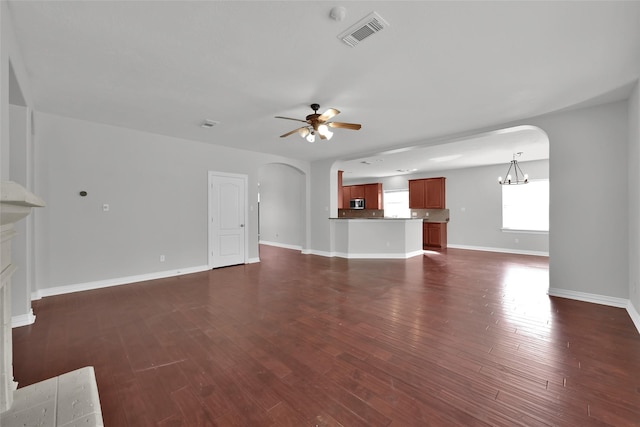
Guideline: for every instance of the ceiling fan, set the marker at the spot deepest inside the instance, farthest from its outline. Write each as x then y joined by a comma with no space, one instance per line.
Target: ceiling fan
319,124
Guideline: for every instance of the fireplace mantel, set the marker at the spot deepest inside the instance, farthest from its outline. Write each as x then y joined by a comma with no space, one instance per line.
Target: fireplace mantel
16,203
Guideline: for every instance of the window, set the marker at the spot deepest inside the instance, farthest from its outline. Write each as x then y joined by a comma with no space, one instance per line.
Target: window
526,207
396,204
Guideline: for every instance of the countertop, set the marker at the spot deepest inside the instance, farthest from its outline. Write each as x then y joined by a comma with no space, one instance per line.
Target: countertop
395,219
377,218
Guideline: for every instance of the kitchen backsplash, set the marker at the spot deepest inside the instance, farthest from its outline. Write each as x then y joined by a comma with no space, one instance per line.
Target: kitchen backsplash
431,214
360,213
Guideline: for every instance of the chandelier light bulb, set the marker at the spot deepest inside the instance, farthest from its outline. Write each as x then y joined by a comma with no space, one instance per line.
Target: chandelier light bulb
328,134
311,137
500,180
509,177
304,132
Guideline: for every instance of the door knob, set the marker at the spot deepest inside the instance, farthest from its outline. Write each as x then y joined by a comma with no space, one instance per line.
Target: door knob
241,225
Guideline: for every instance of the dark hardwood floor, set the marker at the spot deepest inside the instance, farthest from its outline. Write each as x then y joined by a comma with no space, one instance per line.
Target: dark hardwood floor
459,338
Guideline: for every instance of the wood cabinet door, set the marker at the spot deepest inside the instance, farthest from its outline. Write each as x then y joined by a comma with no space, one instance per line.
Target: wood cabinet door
346,196
357,191
434,235
373,196
416,194
434,193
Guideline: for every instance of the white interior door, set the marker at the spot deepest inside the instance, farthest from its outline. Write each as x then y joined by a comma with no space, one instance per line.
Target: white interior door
227,219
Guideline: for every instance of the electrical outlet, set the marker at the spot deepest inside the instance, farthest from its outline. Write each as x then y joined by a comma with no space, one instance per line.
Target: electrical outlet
105,207
161,258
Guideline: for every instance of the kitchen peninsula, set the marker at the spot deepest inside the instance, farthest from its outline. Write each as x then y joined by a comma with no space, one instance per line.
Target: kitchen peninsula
377,237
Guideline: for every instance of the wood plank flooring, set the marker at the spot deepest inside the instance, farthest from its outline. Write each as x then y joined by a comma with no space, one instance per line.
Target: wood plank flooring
454,338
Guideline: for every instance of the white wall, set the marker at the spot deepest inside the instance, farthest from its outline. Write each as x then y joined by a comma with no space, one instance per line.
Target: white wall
282,205
323,205
18,169
634,201
588,242
156,189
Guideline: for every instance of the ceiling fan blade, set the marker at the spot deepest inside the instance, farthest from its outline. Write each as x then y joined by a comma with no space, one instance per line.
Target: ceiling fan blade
292,132
352,126
289,118
327,115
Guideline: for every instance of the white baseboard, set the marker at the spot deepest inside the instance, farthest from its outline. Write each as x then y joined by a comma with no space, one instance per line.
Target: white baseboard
320,253
78,287
635,316
367,255
587,297
599,299
23,319
281,245
253,260
500,250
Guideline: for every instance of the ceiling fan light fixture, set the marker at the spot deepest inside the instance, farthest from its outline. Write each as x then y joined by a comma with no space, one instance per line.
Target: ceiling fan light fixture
311,137
323,129
318,123
304,132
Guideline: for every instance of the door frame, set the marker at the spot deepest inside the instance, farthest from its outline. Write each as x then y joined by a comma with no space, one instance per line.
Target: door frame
211,209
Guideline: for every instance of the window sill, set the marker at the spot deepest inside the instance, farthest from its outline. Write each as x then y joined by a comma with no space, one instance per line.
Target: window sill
513,230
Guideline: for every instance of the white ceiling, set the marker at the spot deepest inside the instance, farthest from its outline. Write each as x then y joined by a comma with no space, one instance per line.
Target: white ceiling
439,69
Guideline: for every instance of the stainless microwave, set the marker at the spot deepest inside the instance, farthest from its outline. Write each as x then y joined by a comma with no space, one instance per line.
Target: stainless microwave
356,204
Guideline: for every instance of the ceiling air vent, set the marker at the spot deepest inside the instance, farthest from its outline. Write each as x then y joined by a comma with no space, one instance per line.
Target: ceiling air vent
366,27
208,124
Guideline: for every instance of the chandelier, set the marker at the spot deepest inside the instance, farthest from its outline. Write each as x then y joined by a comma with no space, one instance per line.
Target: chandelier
520,177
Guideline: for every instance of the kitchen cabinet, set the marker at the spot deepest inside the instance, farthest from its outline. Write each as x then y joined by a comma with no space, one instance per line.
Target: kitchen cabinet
373,196
346,196
371,193
357,191
427,193
434,235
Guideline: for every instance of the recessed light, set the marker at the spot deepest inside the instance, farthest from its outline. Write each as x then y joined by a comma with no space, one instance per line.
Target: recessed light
207,124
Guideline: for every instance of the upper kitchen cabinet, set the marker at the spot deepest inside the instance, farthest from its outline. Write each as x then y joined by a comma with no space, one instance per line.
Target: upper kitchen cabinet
357,191
427,193
371,193
373,196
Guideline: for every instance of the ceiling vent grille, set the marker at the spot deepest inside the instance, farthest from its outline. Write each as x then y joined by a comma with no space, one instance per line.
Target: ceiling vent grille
208,124
368,26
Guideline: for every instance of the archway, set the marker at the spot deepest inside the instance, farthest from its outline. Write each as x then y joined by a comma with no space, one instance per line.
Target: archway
282,206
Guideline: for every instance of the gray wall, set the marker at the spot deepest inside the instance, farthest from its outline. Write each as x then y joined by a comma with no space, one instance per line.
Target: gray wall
634,198
156,188
476,210
18,170
282,205
589,208
588,240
